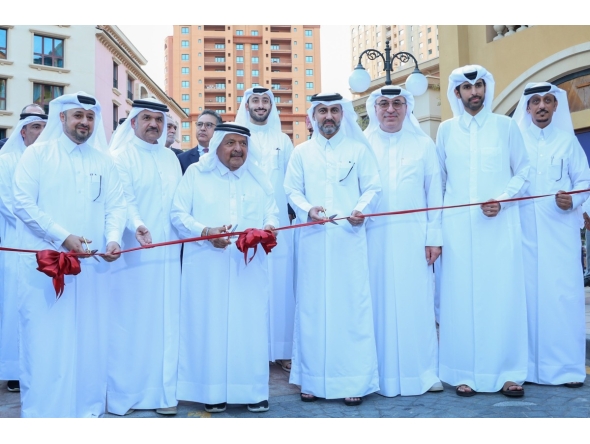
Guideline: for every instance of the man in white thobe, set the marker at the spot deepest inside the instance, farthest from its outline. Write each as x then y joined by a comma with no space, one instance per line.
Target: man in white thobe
334,173
145,296
272,148
402,248
223,357
32,122
551,237
483,331
66,194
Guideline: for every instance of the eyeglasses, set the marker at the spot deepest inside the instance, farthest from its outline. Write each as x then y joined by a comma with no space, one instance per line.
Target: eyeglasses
207,125
397,104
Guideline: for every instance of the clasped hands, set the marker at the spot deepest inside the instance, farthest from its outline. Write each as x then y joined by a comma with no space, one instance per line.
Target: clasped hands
355,219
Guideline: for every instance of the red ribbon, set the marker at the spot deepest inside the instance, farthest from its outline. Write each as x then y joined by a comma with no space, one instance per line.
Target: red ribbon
251,237
56,265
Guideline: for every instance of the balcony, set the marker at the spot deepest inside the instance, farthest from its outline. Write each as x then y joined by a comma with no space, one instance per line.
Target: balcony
280,28
212,88
281,89
213,27
280,63
285,103
212,49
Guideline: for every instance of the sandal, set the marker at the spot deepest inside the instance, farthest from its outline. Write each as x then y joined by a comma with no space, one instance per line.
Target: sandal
464,393
349,401
306,397
285,364
512,393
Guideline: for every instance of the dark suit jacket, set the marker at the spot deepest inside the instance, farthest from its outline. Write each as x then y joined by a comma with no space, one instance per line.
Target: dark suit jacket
176,151
188,158
2,142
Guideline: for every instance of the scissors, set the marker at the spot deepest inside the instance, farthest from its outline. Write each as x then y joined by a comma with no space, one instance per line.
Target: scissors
234,229
330,217
89,251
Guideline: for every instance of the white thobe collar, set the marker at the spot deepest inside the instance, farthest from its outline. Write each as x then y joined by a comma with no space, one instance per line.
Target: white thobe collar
393,137
259,128
145,145
223,170
68,144
335,140
541,133
480,118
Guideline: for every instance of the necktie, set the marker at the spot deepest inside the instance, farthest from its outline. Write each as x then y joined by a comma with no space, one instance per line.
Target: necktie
205,150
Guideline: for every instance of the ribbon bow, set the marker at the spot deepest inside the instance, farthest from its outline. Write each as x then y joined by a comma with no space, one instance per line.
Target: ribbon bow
56,265
251,237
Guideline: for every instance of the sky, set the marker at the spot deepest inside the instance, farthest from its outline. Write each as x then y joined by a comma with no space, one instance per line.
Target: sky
334,49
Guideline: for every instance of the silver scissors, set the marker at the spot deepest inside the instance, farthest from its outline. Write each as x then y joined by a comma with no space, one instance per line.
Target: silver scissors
89,251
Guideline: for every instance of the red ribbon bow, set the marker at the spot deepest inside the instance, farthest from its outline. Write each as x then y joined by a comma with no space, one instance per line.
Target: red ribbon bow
251,237
56,265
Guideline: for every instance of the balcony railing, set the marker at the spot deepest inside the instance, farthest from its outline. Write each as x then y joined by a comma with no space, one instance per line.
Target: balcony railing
508,30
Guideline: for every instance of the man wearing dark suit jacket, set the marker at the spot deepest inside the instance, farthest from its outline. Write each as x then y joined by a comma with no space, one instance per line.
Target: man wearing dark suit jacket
206,124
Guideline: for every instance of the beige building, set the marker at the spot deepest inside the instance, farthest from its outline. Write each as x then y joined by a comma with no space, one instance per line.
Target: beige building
419,40
41,62
210,67
519,54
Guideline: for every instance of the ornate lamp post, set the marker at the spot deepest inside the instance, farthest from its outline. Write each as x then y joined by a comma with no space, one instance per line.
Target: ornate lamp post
359,80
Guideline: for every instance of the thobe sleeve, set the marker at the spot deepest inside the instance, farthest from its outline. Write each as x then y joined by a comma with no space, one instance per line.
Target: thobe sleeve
579,173
369,180
442,155
519,164
134,220
271,212
115,207
6,169
182,206
25,187
433,190
294,187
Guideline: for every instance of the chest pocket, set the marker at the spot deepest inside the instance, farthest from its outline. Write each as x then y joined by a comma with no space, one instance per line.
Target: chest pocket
491,159
278,157
96,188
346,173
251,208
558,169
409,166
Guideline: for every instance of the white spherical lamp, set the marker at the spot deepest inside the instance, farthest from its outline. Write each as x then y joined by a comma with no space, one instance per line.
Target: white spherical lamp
417,83
359,80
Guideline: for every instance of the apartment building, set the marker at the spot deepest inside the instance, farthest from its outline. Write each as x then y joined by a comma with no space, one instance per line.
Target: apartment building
210,67
41,62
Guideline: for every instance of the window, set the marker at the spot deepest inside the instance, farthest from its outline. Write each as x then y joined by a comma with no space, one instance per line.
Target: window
220,59
129,88
186,138
184,57
2,133
220,111
186,97
48,51
429,41
308,59
401,32
275,86
309,72
296,82
295,42
115,75
401,43
254,47
220,46
274,47
186,111
294,29
3,43
420,34
421,56
429,29
240,99
220,85
429,51
254,59
275,60
239,32
239,47
239,85
295,56
184,43
421,45
254,73
186,125
255,85
240,72
115,116
3,94
253,32
277,99
308,33
43,94
296,96
185,84
240,59
309,85
310,45
184,30
220,99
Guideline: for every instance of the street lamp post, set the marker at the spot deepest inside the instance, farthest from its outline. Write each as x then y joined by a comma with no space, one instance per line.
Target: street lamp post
359,80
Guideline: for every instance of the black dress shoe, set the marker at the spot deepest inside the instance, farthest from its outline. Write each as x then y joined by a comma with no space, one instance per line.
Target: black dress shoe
262,406
216,408
13,386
